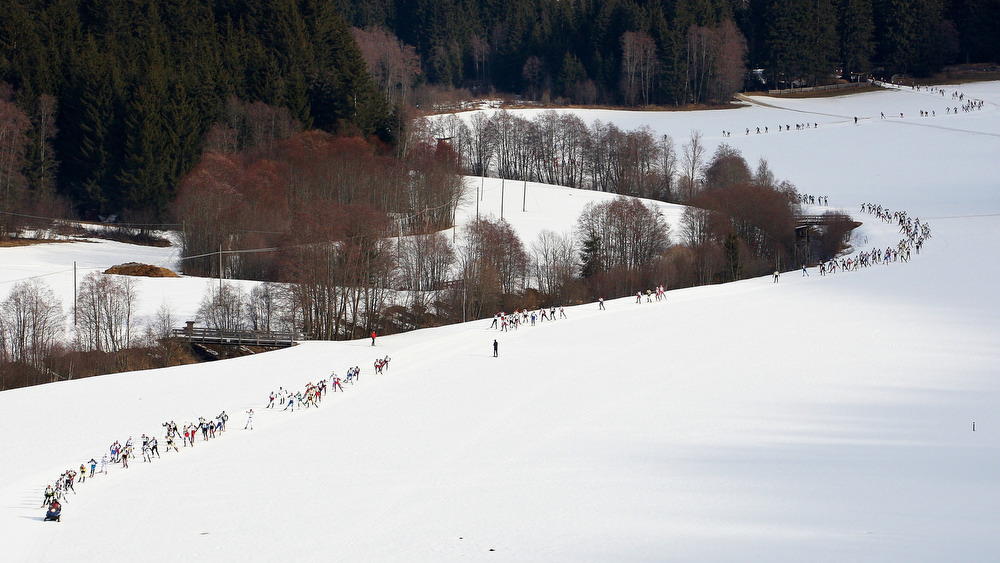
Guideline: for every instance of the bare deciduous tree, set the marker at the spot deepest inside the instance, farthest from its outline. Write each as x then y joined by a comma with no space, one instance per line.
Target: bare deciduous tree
263,306
31,321
553,262
668,169
250,125
105,309
14,127
692,159
393,64
483,140
424,262
716,62
638,66
493,263
223,308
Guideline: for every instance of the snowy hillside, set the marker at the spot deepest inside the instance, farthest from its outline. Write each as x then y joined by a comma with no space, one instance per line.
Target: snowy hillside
820,418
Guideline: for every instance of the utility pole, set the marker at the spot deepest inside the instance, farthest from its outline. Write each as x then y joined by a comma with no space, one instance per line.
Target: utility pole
479,194
524,196
74,293
503,181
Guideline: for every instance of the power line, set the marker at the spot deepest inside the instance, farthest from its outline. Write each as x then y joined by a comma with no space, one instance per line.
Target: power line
37,276
963,216
56,219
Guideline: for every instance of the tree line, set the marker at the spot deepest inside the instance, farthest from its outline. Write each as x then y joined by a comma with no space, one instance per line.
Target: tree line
351,267
676,51
107,104
560,148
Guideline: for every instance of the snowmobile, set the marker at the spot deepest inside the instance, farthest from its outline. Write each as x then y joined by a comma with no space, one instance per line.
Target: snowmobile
54,511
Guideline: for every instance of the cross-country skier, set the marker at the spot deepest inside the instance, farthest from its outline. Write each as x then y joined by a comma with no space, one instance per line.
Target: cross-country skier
249,423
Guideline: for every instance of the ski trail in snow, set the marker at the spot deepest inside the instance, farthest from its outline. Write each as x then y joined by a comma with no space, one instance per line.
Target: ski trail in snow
941,127
777,107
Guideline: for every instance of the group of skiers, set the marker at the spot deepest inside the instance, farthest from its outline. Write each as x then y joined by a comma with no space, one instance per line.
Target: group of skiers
510,321
121,454
914,233
659,291
813,200
208,428
968,105
766,129
57,492
313,393
309,397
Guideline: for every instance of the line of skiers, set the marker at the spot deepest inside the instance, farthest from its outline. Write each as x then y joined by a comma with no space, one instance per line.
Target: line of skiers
313,393
766,130
118,453
914,233
309,397
510,321
813,200
956,96
121,454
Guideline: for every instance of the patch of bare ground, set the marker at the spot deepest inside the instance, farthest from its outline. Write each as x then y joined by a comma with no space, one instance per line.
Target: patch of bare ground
145,270
15,242
960,74
822,93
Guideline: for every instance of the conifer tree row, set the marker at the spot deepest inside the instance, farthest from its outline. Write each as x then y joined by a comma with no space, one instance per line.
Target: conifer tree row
120,93
138,83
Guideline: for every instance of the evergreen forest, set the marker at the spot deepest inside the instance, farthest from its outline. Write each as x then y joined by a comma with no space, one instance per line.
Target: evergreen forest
106,105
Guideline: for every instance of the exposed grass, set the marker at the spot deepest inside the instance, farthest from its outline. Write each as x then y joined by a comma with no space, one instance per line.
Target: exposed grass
16,242
960,76
145,270
822,93
129,236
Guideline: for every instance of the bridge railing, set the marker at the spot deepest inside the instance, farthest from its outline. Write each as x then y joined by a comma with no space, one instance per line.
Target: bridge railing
237,337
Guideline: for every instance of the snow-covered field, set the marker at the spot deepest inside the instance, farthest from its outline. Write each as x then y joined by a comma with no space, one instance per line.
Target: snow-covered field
816,419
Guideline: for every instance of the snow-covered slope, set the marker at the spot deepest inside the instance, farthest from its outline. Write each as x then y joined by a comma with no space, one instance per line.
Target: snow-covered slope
819,418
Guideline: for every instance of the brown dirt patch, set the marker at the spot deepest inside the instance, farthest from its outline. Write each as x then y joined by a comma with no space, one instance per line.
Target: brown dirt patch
14,242
136,269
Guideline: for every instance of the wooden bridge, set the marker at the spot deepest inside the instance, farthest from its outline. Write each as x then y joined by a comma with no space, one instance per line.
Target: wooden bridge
804,226
811,220
237,337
